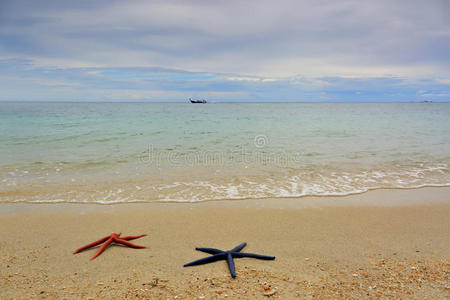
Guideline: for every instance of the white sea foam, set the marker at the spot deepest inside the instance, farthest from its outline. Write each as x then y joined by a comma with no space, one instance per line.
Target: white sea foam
307,183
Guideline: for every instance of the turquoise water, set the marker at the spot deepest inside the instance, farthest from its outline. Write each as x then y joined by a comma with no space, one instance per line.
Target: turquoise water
133,152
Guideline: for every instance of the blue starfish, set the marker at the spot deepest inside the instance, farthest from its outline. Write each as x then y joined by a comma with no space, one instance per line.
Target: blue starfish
228,255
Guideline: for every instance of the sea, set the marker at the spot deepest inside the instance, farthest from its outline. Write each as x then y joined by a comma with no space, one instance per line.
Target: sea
107,153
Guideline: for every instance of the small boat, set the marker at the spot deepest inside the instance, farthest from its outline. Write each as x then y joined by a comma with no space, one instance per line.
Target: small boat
197,101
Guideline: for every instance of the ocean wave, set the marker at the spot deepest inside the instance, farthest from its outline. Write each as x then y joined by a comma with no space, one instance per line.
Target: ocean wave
127,200
296,184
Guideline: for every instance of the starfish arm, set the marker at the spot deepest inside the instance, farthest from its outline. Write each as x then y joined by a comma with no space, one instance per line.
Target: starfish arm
239,248
92,244
126,243
231,265
132,237
252,255
102,248
209,250
206,260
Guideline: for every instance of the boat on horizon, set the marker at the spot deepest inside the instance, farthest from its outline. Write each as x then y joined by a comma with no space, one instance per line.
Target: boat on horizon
197,101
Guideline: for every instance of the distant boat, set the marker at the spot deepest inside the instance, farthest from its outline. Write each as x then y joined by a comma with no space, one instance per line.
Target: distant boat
197,101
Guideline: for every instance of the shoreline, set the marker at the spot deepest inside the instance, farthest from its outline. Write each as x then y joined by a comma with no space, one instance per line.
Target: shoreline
360,246
377,197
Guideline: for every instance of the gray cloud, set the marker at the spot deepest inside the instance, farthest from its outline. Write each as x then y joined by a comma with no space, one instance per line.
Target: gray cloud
320,38
225,50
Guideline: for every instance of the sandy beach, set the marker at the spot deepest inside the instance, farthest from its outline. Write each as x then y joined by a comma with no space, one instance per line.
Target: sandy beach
387,243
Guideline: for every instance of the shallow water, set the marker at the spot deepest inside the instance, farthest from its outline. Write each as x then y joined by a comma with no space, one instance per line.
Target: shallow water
131,152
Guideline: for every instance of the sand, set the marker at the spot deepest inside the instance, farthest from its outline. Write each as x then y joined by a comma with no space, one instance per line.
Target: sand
388,244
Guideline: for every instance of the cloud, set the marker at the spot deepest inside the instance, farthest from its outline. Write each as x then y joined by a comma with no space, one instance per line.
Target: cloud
286,49
244,78
21,80
444,81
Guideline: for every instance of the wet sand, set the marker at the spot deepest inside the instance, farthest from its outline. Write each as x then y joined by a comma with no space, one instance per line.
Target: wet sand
379,244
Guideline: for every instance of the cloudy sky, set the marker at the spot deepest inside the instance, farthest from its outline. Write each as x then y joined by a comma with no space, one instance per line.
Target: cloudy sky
225,50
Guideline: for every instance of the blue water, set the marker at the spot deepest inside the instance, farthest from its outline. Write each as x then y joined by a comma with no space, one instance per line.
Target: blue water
132,152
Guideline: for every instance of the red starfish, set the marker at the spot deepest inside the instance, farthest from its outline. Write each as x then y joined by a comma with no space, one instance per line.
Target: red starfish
107,240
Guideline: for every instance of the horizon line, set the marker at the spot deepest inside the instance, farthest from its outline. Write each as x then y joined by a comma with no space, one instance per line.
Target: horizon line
219,101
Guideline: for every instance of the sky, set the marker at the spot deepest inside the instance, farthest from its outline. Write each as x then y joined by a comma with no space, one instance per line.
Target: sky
314,51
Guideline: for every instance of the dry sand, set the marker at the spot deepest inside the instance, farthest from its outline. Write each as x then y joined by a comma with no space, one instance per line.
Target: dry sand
388,244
